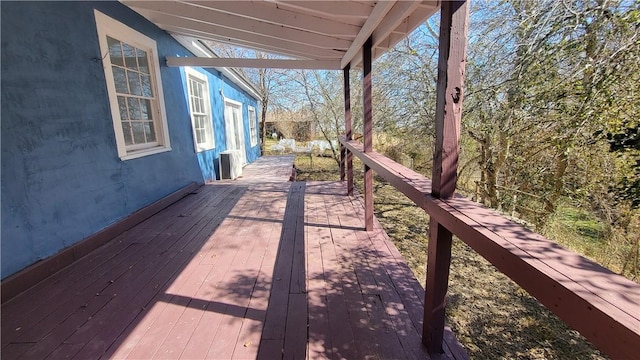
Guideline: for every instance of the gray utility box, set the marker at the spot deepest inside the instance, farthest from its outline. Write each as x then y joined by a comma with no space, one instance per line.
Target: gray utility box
230,164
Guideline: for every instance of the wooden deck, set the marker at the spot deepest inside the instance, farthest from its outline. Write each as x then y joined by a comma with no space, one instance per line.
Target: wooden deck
259,267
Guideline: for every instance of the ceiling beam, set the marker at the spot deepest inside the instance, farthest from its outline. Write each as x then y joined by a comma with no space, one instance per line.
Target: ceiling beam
330,8
378,13
288,51
400,11
173,61
269,12
194,14
401,30
163,20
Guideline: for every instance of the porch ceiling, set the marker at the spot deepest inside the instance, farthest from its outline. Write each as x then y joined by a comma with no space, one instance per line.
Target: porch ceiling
313,34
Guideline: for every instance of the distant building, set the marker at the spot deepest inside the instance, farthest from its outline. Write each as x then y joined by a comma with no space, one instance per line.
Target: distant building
298,125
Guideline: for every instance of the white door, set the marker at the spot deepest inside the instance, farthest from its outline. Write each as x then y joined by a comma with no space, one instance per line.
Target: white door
234,128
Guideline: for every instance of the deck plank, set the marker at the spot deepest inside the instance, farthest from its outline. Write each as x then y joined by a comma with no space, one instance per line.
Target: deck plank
253,268
130,338
239,285
341,332
84,314
319,341
385,345
97,275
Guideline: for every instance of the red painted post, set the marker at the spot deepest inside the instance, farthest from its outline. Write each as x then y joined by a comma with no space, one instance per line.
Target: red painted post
348,130
454,17
368,133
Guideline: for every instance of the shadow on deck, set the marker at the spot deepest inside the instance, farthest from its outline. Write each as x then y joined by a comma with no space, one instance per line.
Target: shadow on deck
254,268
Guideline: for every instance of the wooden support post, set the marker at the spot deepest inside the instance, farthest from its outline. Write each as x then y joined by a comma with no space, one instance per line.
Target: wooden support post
348,130
449,96
368,133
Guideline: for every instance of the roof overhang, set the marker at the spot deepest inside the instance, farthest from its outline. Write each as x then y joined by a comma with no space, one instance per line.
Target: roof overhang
310,34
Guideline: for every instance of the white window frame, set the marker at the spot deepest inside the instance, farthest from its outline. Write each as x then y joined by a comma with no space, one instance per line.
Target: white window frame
253,125
210,142
107,26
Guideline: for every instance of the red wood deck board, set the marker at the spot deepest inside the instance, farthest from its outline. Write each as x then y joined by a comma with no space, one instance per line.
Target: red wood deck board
96,275
270,349
222,244
365,291
342,338
173,309
99,337
137,330
295,341
275,322
163,299
96,278
248,342
140,298
238,287
204,284
298,279
248,339
224,295
80,309
319,342
54,286
382,263
366,265
199,344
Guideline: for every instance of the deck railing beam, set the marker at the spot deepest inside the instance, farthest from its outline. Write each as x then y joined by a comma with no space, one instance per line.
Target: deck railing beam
449,95
368,132
598,303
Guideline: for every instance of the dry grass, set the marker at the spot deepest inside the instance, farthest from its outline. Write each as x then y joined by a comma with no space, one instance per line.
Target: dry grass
491,315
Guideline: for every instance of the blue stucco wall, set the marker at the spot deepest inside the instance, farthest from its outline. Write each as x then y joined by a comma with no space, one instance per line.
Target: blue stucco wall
62,179
208,160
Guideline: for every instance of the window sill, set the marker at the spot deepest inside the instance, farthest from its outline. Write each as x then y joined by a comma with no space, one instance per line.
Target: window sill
203,149
145,152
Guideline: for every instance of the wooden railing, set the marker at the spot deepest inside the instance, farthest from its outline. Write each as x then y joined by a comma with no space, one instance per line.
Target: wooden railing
603,306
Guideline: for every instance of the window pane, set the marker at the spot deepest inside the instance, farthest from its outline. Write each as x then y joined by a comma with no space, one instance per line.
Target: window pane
146,85
149,132
129,56
201,121
115,51
193,104
120,79
201,105
138,132
122,106
200,137
126,129
145,109
134,109
134,83
142,61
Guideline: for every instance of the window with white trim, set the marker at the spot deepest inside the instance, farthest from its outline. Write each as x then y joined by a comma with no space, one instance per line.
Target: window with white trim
199,104
253,126
132,74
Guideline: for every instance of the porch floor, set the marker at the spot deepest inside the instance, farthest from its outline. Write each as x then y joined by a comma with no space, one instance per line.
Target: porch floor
259,267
